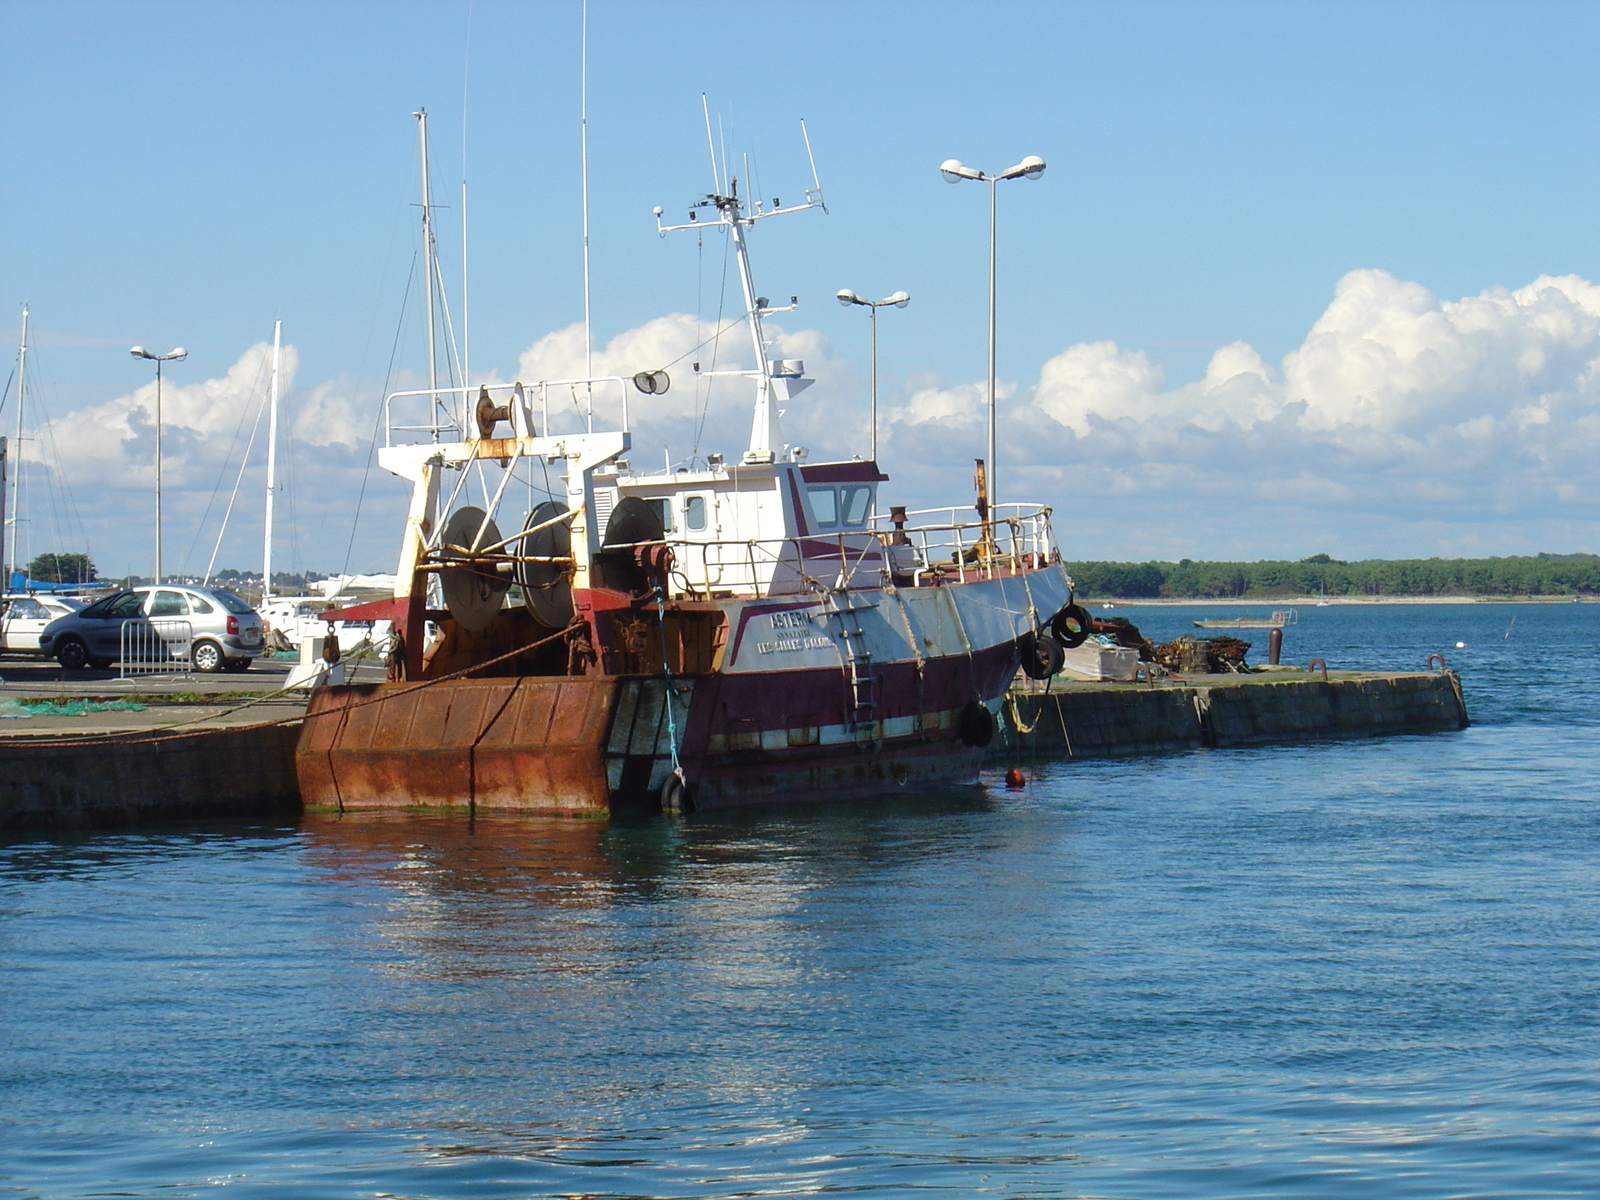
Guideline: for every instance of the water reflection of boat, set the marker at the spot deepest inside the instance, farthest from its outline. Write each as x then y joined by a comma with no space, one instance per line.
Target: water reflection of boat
720,633
1284,616
557,858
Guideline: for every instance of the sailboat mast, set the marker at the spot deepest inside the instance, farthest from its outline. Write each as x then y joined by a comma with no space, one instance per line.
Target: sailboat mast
272,462
583,144
16,454
428,266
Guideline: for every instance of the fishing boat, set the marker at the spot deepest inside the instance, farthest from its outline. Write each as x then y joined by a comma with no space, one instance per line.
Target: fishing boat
734,631
1279,619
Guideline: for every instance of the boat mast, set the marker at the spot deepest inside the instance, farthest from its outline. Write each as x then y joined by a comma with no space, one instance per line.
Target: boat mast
428,266
766,438
272,463
16,454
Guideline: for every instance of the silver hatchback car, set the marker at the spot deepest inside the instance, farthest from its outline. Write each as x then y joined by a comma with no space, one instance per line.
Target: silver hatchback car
220,631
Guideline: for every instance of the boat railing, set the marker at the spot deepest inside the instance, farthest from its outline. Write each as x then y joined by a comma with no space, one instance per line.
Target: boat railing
1016,533
432,415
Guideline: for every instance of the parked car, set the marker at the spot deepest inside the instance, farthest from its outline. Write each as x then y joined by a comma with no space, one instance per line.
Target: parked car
26,616
217,630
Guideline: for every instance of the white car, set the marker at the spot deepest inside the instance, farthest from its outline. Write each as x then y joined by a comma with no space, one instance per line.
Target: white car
26,616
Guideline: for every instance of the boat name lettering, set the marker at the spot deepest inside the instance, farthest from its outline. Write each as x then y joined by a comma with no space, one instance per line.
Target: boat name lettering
793,619
785,645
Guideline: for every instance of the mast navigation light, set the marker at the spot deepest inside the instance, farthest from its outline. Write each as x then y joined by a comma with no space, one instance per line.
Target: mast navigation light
658,210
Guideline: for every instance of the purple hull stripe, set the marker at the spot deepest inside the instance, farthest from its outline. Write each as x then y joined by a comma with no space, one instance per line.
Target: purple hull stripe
726,704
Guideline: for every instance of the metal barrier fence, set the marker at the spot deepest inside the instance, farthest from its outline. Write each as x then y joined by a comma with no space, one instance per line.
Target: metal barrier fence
155,646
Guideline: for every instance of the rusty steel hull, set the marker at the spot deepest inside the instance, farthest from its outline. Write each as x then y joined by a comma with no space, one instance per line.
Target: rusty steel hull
600,744
528,744
811,697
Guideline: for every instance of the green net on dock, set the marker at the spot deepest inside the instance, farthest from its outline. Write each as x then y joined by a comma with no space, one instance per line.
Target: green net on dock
16,710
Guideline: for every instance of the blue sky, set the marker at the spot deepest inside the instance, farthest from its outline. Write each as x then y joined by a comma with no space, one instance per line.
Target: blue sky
185,173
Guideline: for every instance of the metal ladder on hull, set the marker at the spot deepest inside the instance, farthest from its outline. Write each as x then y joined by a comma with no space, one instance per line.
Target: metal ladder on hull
861,684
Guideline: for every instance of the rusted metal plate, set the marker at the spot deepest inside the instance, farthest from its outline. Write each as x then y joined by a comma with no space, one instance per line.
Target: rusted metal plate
533,744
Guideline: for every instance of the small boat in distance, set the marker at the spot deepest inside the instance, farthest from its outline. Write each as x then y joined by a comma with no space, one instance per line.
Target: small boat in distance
1280,618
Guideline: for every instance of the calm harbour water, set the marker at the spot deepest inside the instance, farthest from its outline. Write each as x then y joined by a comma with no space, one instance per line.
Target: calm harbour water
1334,970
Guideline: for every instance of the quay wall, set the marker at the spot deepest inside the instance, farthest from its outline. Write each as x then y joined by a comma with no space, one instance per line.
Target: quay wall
249,772
106,782
1115,720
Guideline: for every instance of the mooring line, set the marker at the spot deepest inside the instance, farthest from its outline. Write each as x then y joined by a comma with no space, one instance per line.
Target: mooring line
136,739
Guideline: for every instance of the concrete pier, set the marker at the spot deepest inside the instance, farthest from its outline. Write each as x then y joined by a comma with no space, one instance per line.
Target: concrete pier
1109,720
210,746
136,779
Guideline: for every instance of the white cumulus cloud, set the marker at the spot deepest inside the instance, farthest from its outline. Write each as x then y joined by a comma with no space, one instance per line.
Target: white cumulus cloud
1402,424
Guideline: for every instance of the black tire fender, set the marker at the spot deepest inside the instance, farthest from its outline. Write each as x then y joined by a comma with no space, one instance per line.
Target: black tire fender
976,725
676,796
1071,626
1042,655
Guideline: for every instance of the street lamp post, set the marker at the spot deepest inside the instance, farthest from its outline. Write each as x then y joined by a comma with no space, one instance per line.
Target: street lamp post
899,300
171,356
954,171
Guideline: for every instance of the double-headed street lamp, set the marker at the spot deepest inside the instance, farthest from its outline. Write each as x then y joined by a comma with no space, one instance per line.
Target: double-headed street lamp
171,356
954,171
899,300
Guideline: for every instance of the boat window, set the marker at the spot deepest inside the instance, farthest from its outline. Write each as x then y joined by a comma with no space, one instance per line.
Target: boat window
857,503
663,509
168,604
694,512
824,506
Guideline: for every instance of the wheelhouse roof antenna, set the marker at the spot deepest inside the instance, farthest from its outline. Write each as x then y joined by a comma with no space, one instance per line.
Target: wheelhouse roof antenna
766,439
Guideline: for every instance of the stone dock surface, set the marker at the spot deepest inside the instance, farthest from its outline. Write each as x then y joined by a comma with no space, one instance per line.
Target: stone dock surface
1110,720
230,753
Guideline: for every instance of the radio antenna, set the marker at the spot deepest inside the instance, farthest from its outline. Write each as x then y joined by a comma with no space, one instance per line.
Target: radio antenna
813,159
711,146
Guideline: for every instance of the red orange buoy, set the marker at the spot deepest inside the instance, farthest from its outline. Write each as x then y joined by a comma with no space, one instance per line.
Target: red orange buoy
1015,778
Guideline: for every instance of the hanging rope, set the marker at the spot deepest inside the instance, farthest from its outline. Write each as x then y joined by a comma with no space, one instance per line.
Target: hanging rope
666,671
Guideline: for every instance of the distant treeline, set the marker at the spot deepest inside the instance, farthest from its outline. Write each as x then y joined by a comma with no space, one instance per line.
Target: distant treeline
1320,575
